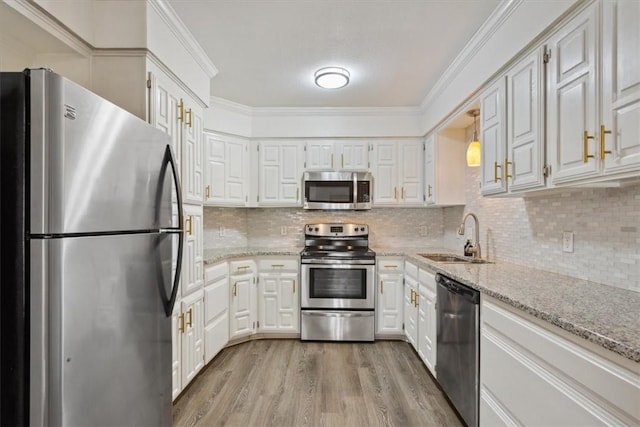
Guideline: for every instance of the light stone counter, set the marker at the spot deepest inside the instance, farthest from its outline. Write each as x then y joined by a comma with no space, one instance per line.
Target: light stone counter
605,315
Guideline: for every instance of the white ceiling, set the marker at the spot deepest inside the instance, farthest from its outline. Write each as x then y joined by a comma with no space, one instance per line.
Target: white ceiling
266,51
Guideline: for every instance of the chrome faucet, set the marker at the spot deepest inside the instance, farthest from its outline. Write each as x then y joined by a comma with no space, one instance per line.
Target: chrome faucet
475,247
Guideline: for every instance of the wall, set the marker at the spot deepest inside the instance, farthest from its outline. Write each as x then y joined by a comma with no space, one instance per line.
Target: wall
528,231
389,227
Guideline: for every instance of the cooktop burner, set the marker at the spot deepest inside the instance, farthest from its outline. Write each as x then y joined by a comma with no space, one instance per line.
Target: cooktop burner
337,241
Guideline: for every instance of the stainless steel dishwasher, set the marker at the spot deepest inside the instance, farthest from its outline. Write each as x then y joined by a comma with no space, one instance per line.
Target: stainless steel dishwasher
458,356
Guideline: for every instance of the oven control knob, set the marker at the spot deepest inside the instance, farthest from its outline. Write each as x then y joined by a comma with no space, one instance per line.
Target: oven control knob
316,228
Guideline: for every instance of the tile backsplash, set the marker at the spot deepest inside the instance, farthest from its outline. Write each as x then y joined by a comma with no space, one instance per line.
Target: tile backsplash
527,231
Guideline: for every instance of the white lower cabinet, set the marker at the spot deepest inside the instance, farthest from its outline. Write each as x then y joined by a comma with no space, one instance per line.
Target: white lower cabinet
389,296
191,325
278,295
242,297
176,349
539,375
427,318
216,310
411,301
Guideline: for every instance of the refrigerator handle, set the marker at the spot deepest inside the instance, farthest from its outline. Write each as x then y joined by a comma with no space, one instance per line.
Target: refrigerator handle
170,158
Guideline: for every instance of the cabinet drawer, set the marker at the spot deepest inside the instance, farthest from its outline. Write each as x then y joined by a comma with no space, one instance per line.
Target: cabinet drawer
215,272
278,264
411,270
390,265
241,267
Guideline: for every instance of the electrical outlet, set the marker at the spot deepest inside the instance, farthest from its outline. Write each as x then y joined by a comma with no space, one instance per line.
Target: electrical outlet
283,230
567,241
221,231
423,230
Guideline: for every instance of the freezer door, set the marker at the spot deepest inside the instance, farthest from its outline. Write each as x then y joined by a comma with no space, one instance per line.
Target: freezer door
94,166
101,339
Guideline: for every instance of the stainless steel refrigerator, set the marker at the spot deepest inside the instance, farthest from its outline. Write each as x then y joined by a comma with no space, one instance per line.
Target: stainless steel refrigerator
87,247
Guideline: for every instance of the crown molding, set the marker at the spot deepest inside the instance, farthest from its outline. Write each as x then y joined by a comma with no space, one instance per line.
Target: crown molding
182,33
493,23
235,107
48,23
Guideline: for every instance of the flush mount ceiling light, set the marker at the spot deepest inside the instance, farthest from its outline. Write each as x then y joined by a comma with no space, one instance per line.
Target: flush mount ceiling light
332,77
473,151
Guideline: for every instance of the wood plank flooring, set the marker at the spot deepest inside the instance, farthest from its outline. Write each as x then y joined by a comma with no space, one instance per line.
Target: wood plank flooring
294,383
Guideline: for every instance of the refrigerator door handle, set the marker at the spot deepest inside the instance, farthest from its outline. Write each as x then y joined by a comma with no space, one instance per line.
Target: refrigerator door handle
170,159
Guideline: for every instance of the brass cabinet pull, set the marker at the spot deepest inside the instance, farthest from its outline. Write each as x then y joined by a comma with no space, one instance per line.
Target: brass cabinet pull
208,191
242,267
429,190
382,286
506,168
190,117
390,266
413,295
235,289
294,286
585,147
190,322
181,324
277,265
395,193
603,132
342,160
189,221
181,111
496,178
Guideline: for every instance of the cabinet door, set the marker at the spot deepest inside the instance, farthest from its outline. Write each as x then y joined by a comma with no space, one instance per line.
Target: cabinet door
236,172
177,327
390,300
427,320
410,172
216,316
215,169
280,173
192,181
192,276
354,155
193,337
385,174
278,307
241,306
572,106
620,86
525,136
492,131
411,311
319,155
430,170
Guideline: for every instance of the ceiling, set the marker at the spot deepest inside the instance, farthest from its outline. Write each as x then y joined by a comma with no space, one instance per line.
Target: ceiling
266,51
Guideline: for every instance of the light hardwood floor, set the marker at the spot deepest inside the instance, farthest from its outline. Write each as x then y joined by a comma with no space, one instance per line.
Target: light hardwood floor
293,383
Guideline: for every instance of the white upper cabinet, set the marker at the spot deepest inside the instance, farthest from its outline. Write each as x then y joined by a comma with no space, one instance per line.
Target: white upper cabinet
444,168
280,166
620,87
192,163
594,111
397,173
226,170
523,168
492,137
192,276
572,107
337,155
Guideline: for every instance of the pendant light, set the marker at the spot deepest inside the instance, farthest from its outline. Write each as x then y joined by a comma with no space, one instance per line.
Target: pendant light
473,151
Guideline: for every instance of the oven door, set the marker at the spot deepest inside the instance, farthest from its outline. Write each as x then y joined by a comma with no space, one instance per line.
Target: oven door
346,286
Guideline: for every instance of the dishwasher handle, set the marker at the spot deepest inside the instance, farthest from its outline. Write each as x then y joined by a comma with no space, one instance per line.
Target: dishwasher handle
458,288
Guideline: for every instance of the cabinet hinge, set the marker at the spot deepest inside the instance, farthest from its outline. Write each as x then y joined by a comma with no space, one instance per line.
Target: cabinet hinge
424,197
149,83
258,147
305,164
305,148
546,171
546,57
403,326
258,322
424,147
257,198
246,198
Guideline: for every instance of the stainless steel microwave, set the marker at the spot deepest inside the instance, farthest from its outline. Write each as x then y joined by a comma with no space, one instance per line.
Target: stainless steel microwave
337,190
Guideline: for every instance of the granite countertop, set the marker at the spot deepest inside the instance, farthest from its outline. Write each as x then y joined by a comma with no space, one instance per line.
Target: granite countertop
605,315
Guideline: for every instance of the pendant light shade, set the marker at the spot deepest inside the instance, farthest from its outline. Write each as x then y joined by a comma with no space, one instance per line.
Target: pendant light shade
474,152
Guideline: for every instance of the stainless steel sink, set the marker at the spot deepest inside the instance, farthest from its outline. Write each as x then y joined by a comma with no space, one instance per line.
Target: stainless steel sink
453,259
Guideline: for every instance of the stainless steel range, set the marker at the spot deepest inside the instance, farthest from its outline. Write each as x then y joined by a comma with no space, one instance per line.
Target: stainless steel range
337,296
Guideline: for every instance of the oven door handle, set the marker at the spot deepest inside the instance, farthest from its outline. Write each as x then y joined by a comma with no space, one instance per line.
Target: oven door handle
338,313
